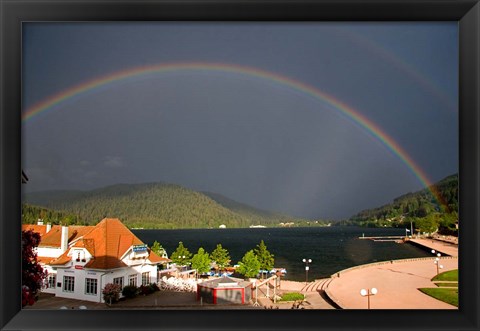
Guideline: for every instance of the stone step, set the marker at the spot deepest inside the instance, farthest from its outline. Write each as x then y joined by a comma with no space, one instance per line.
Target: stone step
315,285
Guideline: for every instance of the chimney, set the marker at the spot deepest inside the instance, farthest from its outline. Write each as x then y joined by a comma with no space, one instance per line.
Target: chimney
49,227
40,221
64,240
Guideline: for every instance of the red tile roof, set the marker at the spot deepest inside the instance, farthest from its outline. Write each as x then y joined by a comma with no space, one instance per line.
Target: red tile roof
44,259
42,229
108,241
61,260
53,237
154,258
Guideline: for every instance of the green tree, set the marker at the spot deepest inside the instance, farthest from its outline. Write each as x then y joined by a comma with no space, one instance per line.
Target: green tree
181,255
220,256
249,266
426,224
158,249
201,261
264,256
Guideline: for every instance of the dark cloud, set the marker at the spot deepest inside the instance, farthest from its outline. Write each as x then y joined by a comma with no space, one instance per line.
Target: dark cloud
254,140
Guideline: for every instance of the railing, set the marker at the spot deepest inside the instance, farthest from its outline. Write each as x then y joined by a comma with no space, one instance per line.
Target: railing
337,274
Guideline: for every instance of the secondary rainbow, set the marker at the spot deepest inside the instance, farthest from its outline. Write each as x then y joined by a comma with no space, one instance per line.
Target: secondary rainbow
348,111
381,52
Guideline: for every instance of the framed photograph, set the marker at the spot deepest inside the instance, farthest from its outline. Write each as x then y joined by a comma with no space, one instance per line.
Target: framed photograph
239,165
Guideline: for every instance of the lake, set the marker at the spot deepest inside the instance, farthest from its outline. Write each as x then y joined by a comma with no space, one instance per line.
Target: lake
331,248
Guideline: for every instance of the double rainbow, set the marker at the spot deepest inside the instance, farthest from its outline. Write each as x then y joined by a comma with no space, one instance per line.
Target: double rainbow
372,128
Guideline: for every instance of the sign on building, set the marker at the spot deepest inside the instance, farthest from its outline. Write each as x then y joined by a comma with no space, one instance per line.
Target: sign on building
138,249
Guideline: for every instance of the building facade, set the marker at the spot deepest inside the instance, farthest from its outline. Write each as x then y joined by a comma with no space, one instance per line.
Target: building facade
81,260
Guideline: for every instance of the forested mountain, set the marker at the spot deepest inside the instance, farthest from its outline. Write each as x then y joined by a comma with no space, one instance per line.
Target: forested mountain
256,215
160,205
154,205
31,214
421,208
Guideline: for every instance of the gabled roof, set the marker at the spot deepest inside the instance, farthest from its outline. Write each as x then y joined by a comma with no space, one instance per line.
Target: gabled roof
53,237
107,242
61,260
41,229
111,240
44,259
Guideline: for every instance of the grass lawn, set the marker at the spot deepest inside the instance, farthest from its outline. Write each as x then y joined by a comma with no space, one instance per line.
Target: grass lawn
451,275
448,295
447,284
292,296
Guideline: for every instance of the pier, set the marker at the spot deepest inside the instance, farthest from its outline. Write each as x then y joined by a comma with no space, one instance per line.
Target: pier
385,238
442,247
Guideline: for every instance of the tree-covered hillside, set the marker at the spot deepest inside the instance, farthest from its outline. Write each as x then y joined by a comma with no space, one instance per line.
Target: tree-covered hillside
258,216
421,208
31,214
155,205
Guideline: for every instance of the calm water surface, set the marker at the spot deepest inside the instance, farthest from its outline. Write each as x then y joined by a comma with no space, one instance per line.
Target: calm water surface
330,248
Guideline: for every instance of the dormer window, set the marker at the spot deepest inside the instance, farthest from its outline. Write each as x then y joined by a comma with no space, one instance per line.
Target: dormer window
80,255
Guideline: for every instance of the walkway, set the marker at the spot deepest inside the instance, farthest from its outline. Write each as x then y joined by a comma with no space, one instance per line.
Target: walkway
397,281
438,245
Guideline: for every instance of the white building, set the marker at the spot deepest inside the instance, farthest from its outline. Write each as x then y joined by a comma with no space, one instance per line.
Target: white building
80,260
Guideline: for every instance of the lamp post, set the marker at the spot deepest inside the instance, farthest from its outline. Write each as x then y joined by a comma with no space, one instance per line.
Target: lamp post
437,261
439,266
368,293
307,262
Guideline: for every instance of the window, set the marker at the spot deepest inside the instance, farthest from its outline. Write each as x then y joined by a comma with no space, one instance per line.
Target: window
91,286
132,280
51,280
68,284
119,281
145,278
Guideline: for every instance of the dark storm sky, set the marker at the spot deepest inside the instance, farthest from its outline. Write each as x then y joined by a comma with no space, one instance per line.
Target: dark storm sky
253,140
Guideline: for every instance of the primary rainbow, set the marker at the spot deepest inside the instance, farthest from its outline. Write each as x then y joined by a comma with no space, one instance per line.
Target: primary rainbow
351,113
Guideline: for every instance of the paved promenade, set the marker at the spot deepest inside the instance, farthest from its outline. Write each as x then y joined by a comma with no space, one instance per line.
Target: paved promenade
438,245
397,282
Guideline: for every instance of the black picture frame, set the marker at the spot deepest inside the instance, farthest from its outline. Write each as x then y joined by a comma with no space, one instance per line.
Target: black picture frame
14,12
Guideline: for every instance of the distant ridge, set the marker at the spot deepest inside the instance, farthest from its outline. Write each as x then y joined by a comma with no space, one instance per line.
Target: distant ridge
170,206
253,213
155,205
417,207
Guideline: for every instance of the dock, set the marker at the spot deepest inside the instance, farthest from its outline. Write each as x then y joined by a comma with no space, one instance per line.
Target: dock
385,238
444,248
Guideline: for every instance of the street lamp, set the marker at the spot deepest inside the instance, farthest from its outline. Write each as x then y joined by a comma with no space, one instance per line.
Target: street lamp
437,261
307,262
439,266
368,293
